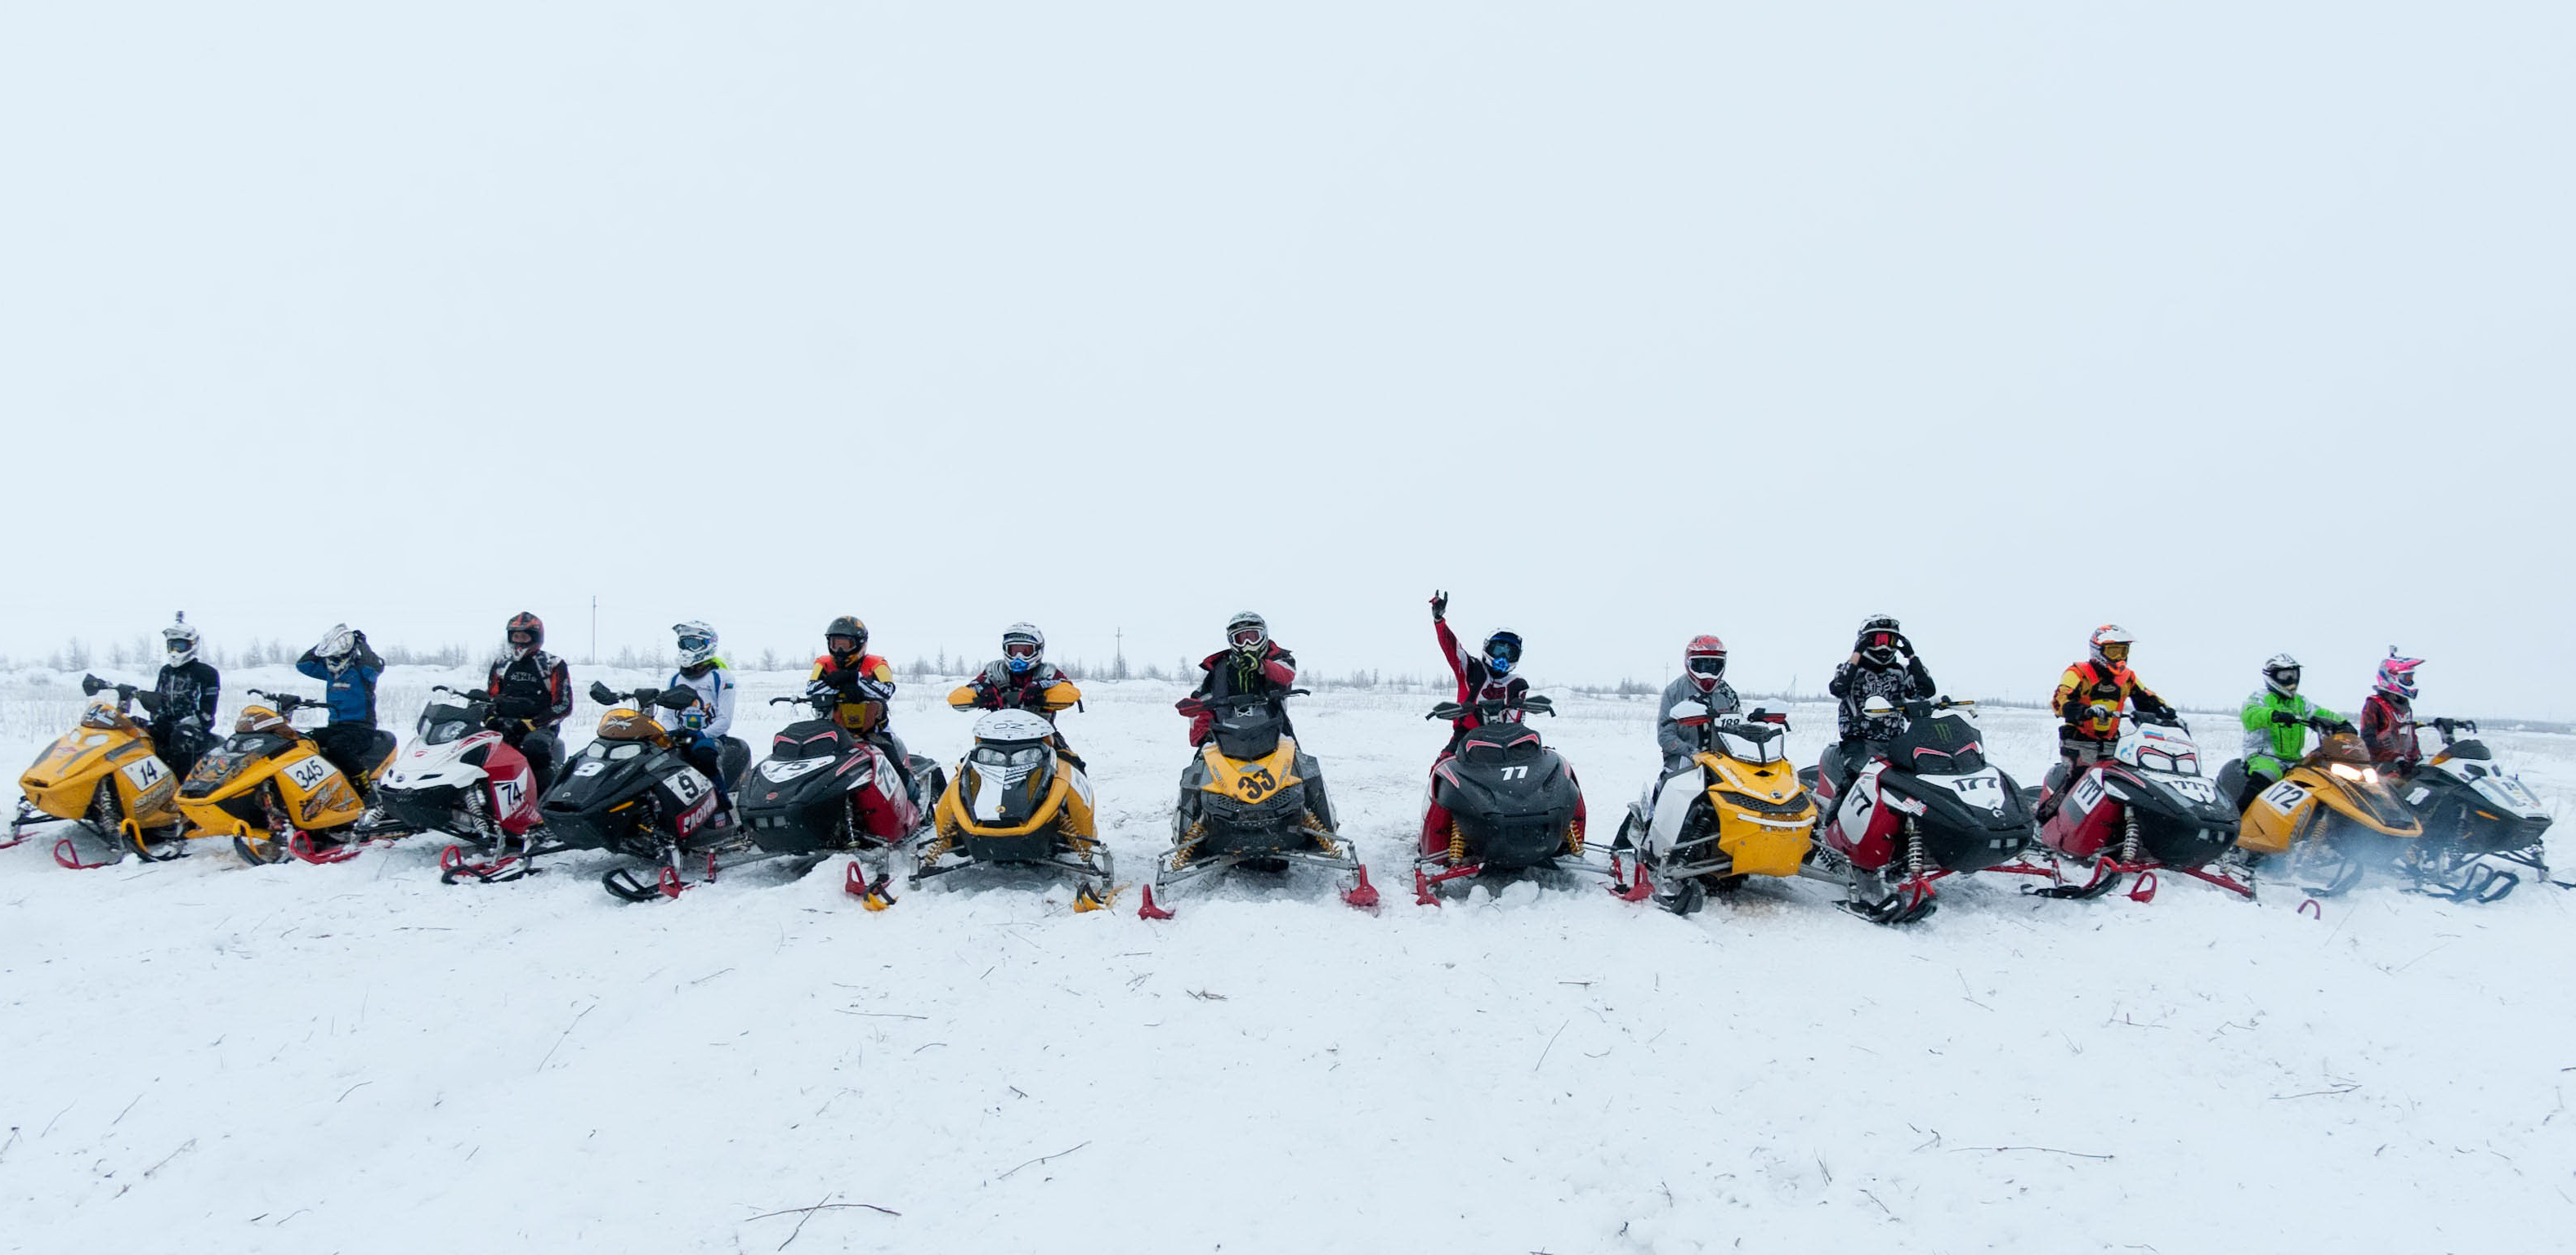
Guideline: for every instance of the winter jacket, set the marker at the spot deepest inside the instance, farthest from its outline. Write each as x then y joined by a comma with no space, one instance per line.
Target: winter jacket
2270,747
185,692
1476,681
350,693
1855,683
537,688
712,714
1041,688
1669,737
1228,673
2388,728
2087,684
859,711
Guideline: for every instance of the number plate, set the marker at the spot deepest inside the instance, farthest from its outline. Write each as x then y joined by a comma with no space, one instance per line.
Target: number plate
308,774
2286,797
145,773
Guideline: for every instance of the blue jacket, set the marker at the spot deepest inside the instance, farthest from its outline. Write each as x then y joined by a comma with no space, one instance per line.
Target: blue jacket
351,694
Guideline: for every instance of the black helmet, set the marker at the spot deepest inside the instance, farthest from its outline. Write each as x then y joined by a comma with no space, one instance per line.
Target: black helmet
526,624
848,627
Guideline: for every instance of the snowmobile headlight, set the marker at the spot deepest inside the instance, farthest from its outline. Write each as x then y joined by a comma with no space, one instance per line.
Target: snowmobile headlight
442,733
2347,771
1029,757
2370,775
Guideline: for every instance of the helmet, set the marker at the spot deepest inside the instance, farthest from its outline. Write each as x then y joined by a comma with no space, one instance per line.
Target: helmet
527,624
2397,675
1503,651
180,640
2111,645
1247,631
697,643
847,626
1879,634
2281,675
1704,660
336,646
1022,646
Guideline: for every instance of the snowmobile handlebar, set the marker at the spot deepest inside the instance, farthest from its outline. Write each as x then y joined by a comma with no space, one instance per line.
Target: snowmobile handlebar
92,686
667,699
1534,703
2451,728
287,703
468,696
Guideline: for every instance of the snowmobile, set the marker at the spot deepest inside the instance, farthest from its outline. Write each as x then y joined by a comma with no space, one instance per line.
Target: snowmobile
2145,809
463,778
269,788
1514,806
2480,822
1740,811
2331,815
1252,796
1927,805
1016,800
107,777
631,791
823,790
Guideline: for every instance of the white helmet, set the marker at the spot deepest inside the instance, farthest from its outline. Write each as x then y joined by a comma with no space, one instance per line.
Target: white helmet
1023,646
2281,675
337,644
697,643
180,641
2107,635
1247,631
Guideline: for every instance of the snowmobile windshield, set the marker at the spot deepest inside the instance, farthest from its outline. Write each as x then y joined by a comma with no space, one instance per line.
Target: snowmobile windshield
811,739
1944,745
2475,750
2343,747
440,725
1751,742
1501,745
103,716
2153,747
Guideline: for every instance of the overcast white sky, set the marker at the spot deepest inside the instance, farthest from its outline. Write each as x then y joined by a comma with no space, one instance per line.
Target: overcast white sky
2246,326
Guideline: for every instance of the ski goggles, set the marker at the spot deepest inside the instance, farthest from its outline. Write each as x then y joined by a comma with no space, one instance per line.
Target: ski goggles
1506,648
695,642
2116,651
2286,677
1019,649
178,645
1247,637
1709,665
841,644
523,637
1880,640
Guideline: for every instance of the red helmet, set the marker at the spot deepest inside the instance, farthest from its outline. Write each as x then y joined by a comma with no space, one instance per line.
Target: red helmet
1704,661
528,625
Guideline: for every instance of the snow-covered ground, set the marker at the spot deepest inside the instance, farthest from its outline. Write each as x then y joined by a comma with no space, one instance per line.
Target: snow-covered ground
210,1057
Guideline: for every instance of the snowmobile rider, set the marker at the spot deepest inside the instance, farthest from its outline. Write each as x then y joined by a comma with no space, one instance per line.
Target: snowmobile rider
1703,681
2089,699
1882,664
1021,679
2276,727
183,699
348,669
531,693
1484,675
1250,664
864,683
704,723
2388,716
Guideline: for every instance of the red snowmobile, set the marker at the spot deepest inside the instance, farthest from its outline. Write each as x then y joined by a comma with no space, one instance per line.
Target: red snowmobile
1927,805
2145,809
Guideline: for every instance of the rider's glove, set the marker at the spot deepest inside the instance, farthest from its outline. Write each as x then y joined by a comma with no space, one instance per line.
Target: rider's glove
820,690
1439,606
2285,717
2100,711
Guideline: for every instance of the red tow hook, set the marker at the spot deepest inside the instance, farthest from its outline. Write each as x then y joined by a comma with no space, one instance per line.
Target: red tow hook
1150,911
1422,894
2145,889
670,881
1362,895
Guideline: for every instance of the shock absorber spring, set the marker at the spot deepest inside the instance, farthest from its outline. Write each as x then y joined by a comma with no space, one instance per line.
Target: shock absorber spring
1189,845
1457,844
1913,852
2129,834
1574,836
1325,842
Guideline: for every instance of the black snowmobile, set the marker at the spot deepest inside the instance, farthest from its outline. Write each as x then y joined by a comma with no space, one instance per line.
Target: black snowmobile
822,791
1252,796
1514,804
633,792
2483,827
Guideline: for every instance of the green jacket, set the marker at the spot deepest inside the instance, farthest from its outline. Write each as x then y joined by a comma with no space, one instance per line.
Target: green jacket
2270,747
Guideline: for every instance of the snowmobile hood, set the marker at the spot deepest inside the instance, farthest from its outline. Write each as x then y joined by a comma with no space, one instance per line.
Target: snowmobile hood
1013,725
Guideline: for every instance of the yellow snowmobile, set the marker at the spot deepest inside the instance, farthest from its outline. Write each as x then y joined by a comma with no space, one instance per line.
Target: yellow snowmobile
269,788
1739,812
1252,796
2332,814
107,776
1017,799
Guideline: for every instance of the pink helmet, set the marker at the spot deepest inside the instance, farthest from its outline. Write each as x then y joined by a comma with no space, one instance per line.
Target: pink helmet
2397,675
